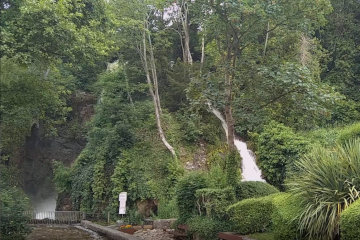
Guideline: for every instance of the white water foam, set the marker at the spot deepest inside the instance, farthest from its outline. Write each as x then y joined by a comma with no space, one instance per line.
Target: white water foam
44,205
249,170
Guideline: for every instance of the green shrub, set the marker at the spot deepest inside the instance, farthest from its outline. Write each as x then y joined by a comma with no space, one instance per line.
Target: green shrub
252,215
185,194
278,147
207,228
233,173
253,189
216,177
328,182
167,209
349,132
62,177
285,217
214,202
13,203
350,222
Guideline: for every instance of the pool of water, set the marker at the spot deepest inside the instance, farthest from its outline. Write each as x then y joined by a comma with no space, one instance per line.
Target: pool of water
62,233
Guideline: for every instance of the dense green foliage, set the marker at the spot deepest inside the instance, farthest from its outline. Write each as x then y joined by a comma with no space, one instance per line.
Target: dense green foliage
285,217
252,189
13,203
207,228
185,194
214,202
278,148
42,101
328,182
350,222
284,74
121,134
340,37
252,215
349,133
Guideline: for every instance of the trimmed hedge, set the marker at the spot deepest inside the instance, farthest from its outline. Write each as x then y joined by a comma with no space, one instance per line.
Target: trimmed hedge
253,189
287,209
252,215
350,222
206,228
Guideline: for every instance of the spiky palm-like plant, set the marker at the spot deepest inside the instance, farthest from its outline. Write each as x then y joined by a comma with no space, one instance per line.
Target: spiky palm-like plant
328,182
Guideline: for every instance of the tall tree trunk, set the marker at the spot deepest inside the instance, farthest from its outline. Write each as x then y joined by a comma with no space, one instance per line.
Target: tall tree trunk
202,52
229,76
151,84
153,70
267,37
186,29
228,112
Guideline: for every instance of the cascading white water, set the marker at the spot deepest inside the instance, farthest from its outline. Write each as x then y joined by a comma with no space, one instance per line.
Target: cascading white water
44,204
249,170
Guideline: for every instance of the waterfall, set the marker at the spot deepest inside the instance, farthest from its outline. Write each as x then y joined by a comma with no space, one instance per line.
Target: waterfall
249,170
44,203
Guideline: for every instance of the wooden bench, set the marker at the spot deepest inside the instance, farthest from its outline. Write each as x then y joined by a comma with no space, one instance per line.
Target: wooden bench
229,236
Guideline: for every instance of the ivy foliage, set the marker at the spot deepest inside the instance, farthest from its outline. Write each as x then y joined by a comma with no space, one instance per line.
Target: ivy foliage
185,194
213,202
121,154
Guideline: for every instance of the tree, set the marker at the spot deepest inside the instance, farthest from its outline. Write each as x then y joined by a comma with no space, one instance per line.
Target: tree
136,31
238,33
340,37
74,33
42,100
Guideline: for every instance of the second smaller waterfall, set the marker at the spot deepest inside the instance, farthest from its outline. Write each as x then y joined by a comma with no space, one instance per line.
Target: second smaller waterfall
249,170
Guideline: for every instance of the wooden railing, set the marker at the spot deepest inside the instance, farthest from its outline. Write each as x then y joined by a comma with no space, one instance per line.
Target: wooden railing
54,217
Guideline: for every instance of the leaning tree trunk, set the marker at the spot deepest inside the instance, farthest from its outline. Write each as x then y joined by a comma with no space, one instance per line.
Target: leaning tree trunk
154,92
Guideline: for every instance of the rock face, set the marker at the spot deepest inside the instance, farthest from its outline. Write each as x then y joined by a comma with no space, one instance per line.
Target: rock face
147,207
199,160
35,159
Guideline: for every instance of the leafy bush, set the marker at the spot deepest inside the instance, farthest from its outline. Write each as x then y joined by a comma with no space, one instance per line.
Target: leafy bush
167,209
253,189
185,194
207,228
278,147
216,176
349,132
350,222
252,215
13,203
62,177
328,182
214,202
285,217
